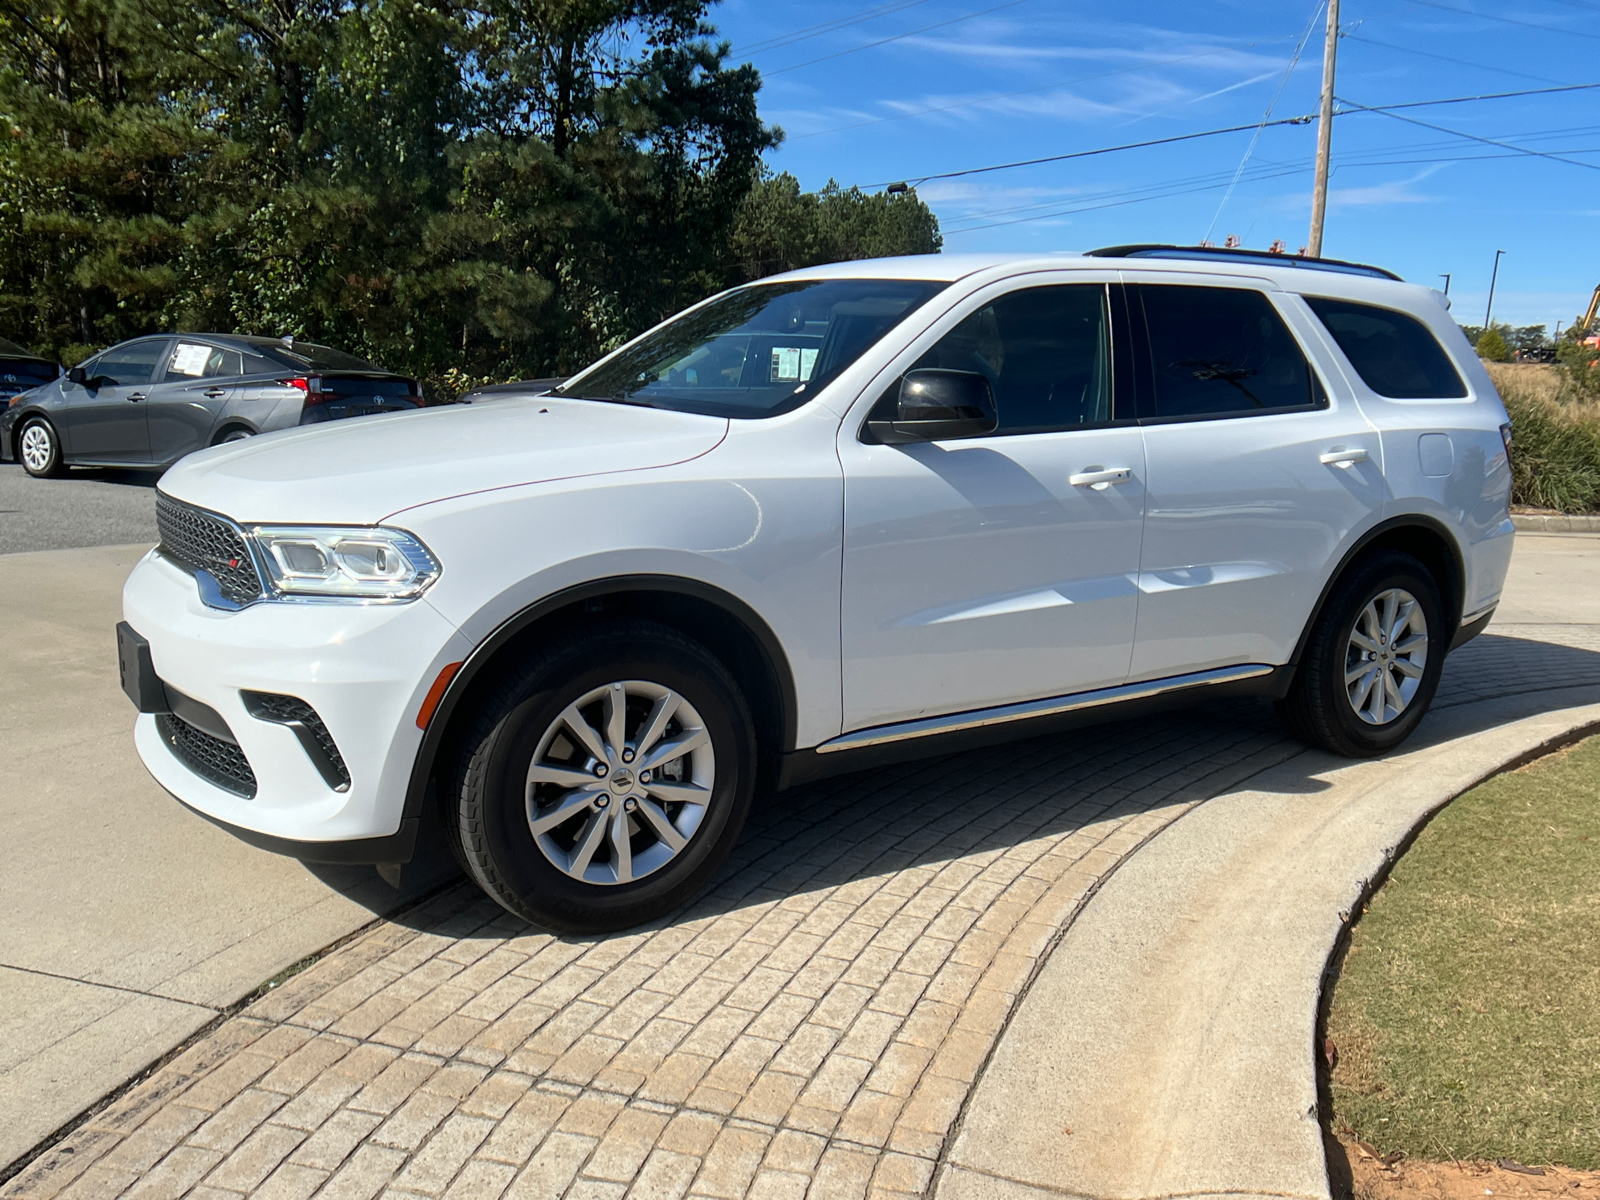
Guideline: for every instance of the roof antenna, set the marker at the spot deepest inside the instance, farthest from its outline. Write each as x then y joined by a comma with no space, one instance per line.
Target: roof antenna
288,341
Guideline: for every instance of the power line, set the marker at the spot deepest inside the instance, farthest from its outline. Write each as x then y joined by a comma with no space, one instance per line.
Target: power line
1471,137
1205,133
897,37
1294,62
1460,62
810,31
1467,12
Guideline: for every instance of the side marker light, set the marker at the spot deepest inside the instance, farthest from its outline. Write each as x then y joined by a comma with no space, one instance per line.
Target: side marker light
436,694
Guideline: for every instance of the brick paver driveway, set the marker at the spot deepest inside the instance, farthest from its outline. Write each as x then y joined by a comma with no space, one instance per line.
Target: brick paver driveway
812,1026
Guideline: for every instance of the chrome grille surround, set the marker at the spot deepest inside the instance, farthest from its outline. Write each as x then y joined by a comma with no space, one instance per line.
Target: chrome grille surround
214,760
198,540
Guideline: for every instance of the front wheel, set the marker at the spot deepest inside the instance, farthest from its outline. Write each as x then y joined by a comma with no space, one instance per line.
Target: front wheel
605,779
1373,660
40,450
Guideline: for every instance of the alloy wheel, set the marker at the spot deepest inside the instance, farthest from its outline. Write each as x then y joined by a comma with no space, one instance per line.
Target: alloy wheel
36,447
620,782
1385,656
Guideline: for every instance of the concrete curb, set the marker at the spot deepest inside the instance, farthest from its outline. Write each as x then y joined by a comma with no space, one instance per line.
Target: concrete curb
1556,522
1167,1046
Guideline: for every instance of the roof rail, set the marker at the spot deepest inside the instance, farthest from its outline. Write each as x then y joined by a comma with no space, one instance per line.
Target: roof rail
1223,254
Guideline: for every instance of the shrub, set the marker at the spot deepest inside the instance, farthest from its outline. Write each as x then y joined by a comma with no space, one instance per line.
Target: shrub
1492,346
1555,444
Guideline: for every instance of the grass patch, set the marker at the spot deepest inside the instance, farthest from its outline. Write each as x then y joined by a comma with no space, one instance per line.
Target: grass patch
1555,443
1467,1010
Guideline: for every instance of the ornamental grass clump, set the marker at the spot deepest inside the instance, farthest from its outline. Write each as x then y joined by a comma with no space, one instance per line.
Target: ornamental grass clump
1555,443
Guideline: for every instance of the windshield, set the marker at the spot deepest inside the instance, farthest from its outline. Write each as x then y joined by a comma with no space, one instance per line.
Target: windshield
759,350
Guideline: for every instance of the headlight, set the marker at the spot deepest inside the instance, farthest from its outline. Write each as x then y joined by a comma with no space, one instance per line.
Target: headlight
349,563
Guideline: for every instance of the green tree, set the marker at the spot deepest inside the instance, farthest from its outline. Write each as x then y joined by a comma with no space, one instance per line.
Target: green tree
1491,345
781,228
459,190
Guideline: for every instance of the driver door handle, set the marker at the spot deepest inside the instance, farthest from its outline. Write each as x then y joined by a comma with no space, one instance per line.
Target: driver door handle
214,392
1340,457
136,397
1100,480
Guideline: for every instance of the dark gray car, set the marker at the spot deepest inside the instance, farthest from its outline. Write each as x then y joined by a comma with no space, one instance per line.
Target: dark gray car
150,401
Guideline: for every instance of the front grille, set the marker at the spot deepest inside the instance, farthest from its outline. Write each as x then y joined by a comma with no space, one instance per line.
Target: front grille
297,714
211,758
198,541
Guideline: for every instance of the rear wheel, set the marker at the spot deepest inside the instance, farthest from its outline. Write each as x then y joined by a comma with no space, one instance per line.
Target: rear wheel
605,780
40,449
1373,660
233,435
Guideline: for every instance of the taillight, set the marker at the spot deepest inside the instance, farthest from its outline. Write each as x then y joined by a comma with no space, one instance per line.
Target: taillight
311,385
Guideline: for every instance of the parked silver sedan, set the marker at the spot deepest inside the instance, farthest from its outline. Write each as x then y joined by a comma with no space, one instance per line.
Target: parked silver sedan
149,401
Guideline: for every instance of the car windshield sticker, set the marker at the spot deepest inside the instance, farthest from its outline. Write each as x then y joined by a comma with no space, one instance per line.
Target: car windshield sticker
190,359
790,364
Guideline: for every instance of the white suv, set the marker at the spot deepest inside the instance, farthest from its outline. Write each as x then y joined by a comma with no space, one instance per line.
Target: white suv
844,516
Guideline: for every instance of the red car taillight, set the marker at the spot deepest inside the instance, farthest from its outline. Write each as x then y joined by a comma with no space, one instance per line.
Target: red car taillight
311,385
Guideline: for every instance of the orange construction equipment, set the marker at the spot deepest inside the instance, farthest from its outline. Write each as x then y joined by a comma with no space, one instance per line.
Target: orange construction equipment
1594,310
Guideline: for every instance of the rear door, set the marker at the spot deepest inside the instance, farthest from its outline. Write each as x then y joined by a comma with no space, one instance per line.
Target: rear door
107,423
1259,471
198,381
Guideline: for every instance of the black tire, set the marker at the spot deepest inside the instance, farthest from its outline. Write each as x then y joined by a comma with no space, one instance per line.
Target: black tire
1318,709
53,466
487,811
236,434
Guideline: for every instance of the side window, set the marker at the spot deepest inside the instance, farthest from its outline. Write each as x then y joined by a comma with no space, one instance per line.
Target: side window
1396,355
1045,351
134,363
188,361
223,362
254,364
1222,352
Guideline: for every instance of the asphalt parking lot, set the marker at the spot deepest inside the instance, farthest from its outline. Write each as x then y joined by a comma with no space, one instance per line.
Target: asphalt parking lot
99,506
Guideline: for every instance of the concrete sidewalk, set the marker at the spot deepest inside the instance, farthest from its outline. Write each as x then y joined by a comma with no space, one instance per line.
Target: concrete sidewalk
126,922
1167,1047
817,1023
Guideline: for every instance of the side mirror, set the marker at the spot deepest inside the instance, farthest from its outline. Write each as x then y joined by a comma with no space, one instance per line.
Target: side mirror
78,376
936,404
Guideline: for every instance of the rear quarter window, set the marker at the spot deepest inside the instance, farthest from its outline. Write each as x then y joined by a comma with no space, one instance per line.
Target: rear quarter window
1396,355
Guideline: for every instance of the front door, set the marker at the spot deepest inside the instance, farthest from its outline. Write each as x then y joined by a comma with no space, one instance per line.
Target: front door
1257,476
106,423
995,569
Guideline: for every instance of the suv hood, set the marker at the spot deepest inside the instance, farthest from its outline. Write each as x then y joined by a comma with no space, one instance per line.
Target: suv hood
361,470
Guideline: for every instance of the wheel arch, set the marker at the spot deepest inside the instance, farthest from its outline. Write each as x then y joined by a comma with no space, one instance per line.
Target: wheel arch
21,421
1425,539
229,425
726,625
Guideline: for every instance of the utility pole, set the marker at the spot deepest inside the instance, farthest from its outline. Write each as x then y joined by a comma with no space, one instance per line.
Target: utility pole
1445,275
1319,189
1494,275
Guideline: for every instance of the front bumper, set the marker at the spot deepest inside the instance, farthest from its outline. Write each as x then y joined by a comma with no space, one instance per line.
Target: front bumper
364,668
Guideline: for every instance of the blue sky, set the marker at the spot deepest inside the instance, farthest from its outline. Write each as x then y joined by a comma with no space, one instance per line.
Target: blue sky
955,84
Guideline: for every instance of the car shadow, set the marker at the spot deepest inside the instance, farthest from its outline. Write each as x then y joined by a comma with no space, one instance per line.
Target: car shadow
1045,789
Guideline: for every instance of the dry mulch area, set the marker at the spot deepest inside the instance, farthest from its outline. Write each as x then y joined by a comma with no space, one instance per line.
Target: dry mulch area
1356,1169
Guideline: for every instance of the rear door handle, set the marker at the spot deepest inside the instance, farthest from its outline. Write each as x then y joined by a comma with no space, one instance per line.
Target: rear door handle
1340,457
1100,480
136,397
215,392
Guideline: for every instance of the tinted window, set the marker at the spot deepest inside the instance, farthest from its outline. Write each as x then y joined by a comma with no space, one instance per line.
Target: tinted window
756,351
306,356
1221,352
132,363
1395,355
1045,351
